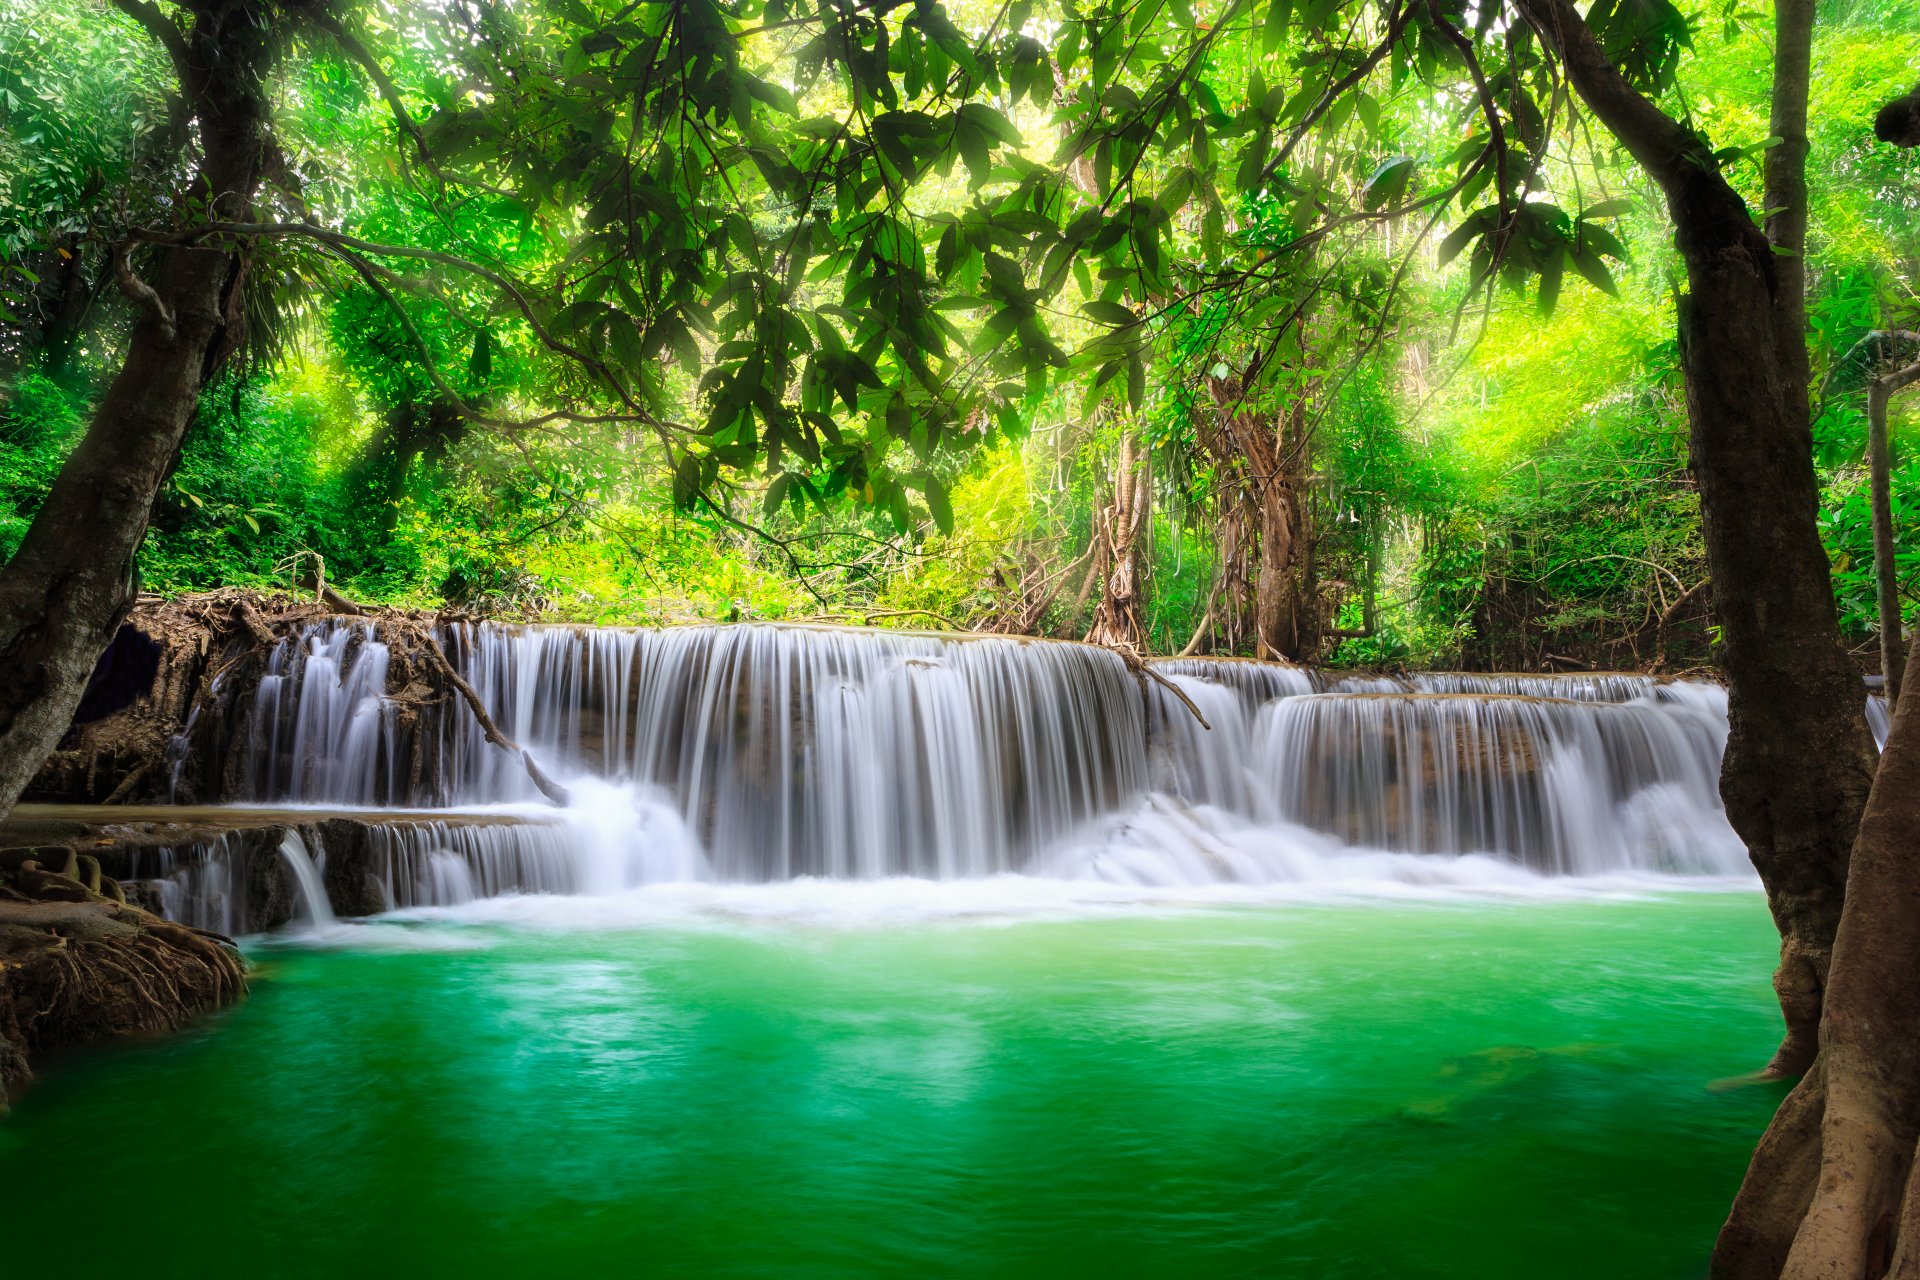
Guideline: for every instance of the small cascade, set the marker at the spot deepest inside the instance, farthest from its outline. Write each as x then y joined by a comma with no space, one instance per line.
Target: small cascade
768,752
1561,786
1573,686
322,727
306,878
1256,683
312,871
1879,719
194,884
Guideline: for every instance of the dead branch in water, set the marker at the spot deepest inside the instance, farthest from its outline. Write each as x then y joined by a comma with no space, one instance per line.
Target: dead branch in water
429,647
437,659
1143,671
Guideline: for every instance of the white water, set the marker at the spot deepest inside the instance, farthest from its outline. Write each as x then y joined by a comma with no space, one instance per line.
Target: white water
765,754
1879,719
318,911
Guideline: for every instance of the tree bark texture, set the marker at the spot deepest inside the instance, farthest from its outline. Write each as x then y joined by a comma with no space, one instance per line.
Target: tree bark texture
65,592
1886,569
1799,759
1785,179
1119,618
1269,460
1831,1193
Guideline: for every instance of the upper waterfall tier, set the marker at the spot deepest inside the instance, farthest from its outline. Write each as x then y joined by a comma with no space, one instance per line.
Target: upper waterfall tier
815,751
792,751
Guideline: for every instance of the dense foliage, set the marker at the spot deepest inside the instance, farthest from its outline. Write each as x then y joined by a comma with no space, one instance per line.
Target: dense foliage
681,311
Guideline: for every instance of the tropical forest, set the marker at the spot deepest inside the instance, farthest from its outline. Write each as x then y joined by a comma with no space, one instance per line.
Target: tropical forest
870,638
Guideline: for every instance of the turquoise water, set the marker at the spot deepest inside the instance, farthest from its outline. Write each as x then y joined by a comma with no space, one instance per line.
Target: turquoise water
724,1087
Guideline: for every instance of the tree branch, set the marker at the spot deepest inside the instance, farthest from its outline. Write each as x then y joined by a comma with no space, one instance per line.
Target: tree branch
390,93
141,294
157,25
1670,153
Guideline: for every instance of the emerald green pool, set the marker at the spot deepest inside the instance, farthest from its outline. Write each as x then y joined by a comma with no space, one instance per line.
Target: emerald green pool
718,1086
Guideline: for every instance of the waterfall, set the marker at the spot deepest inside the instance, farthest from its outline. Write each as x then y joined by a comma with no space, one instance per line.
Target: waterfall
1563,786
323,727
306,879
768,752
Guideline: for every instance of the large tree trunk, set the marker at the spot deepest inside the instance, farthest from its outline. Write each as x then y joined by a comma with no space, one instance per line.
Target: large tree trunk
1276,620
1831,1191
1268,462
65,591
1799,758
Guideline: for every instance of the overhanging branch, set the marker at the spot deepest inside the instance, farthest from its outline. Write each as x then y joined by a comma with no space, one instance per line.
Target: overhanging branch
162,29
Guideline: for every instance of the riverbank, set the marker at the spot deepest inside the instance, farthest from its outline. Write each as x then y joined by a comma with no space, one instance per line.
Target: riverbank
81,964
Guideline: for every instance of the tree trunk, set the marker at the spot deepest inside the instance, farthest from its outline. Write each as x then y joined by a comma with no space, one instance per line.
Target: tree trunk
1831,1191
1117,619
1886,570
1799,759
1268,461
1785,178
65,591
1276,623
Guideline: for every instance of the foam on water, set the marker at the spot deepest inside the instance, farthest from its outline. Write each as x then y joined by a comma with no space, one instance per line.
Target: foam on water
1162,856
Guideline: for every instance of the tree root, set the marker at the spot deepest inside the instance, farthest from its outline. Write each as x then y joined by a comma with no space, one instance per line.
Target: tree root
77,964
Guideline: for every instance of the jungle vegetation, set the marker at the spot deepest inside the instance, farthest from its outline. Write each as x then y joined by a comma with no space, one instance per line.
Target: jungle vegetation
1364,332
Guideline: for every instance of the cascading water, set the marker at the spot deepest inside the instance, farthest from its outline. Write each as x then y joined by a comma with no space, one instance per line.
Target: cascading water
757,753
306,878
1565,787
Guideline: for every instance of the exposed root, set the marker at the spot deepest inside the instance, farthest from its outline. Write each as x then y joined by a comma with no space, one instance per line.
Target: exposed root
77,965
1830,1194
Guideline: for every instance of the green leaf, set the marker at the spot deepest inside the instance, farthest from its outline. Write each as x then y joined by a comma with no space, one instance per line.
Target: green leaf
1388,185
1551,275
1461,236
938,504
1110,313
1614,208
1602,240
1589,265
1273,32
776,494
